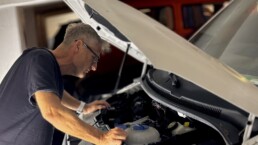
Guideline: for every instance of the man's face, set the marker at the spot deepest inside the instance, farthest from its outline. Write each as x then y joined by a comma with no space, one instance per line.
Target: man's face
87,58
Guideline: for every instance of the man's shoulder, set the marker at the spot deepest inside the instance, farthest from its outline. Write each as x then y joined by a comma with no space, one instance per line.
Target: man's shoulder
37,51
38,54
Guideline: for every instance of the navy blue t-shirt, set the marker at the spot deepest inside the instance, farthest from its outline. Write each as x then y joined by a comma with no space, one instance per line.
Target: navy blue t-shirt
21,122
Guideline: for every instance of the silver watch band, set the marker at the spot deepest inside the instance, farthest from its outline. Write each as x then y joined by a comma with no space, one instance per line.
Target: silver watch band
79,110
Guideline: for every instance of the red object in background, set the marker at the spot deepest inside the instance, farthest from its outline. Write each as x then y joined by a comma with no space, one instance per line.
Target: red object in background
182,16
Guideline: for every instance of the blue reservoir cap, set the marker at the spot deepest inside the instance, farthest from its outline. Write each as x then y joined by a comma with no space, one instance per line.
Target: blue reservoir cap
140,127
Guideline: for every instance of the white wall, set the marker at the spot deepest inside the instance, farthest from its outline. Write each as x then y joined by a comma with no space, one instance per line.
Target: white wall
10,38
14,25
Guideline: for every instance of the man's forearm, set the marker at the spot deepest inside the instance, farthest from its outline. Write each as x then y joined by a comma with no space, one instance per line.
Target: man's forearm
64,119
69,123
69,101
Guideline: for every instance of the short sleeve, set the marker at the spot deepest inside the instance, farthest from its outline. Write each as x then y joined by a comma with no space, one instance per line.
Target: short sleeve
43,76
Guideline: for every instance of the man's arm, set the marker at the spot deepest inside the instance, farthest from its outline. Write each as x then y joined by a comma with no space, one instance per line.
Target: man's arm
72,103
65,120
69,101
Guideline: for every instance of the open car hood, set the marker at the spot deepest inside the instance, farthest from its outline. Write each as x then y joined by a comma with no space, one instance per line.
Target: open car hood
155,44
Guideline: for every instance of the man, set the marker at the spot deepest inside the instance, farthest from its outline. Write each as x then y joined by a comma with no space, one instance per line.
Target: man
32,98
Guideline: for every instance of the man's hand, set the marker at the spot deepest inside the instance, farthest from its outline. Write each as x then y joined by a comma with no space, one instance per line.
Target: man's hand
113,137
95,105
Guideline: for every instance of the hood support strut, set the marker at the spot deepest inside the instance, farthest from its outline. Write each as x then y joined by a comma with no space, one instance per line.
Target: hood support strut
121,68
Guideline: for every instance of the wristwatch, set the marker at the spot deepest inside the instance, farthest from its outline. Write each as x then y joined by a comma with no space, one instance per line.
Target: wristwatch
79,110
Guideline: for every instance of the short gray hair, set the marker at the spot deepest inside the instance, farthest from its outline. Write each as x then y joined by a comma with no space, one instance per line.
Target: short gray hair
76,31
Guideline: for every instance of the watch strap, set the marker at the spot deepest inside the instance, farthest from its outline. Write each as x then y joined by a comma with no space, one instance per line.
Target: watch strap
79,110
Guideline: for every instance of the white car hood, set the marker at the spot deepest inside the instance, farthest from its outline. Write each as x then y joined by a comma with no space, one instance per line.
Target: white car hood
166,50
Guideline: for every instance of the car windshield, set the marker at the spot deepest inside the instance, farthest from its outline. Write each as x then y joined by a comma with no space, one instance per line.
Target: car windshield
232,37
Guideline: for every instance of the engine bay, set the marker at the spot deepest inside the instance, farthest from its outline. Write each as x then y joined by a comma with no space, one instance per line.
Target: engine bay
149,122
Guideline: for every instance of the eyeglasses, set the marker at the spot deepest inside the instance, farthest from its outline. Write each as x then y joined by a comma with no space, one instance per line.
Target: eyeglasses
96,58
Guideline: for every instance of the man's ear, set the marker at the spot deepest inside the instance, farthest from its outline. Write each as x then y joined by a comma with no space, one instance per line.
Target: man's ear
76,46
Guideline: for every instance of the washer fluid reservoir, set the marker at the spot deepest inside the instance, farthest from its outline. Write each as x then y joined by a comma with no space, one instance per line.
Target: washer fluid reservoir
141,135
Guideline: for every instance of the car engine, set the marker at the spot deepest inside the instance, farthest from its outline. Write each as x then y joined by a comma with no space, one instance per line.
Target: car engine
147,122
